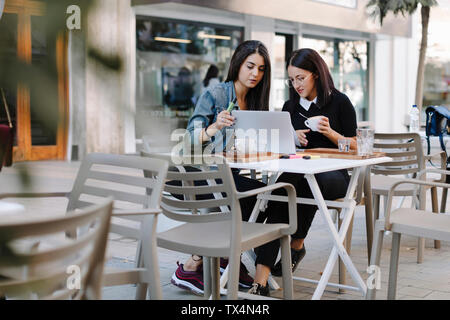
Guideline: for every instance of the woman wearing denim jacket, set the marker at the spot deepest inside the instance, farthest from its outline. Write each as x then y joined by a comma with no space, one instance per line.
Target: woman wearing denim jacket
248,85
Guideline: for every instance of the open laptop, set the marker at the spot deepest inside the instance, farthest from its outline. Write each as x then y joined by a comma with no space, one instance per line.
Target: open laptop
272,126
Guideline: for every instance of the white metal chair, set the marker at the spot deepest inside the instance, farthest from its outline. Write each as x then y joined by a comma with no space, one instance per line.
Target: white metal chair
136,206
216,195
222,234
413,222
70,269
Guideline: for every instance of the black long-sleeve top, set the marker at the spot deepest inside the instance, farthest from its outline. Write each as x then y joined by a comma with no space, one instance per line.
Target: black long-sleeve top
339,111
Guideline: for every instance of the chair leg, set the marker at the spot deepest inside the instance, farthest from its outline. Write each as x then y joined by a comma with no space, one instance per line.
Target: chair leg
288,290
141,288
348,247
435,207
207,290
233,276
444,199
150,257
369,224
215,278
375,258
348,239
376,207
420,249
393,268
420,241
385,202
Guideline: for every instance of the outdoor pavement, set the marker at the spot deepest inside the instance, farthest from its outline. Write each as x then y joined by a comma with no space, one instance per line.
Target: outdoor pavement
429,280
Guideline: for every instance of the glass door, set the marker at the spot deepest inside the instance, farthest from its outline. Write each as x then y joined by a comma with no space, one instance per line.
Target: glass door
348,61
41,133
8,49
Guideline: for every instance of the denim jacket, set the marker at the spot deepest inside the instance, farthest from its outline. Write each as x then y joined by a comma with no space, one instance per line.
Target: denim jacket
213,101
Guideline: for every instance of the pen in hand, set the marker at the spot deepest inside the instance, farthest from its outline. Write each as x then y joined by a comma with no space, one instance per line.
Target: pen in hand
231,105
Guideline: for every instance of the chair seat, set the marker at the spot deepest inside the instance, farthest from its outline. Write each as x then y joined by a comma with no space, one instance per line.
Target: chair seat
191,237
382,184
421,223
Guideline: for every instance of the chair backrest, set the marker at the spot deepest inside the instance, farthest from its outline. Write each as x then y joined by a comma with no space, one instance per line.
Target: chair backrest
213,168
63,269
406,152
150,144
121,177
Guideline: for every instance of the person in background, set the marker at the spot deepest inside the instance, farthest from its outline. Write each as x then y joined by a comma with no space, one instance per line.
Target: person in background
183,89
211,78
311,93
247,83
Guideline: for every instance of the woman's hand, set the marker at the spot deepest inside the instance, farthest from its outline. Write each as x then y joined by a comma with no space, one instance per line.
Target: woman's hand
301,134
224,119
324,127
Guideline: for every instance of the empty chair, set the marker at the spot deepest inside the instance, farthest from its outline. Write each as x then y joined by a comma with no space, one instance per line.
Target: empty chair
67,269
408,159
156,144
217,232
413,222
136,205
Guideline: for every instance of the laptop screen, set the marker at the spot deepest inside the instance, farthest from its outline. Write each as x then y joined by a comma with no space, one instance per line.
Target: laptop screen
272,130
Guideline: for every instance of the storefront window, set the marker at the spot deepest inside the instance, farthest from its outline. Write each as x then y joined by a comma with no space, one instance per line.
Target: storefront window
348,62
8,50
172,60
437,63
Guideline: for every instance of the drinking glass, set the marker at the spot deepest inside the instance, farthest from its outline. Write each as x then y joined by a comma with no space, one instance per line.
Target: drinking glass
344,145
364,141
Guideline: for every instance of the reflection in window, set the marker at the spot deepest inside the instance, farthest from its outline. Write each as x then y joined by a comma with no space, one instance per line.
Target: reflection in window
8,50
172,59
43,132
348,62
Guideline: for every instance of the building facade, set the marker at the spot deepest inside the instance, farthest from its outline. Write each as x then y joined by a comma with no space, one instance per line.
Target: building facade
166,47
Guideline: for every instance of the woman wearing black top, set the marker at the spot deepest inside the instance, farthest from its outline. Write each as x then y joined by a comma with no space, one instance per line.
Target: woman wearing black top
312,93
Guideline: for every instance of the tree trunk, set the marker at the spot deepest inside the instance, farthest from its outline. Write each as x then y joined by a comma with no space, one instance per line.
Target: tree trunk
425,12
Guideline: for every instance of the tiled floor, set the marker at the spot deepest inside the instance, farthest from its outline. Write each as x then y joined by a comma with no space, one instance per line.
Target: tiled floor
429,280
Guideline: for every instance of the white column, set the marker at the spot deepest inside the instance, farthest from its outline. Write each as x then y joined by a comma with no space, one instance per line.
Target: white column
383,86
109,103
262,29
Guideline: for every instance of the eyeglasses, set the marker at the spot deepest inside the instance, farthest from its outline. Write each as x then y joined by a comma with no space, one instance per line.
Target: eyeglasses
300,80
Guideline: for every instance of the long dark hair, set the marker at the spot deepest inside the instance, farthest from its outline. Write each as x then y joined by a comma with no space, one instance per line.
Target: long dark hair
257,98
309,59
212,72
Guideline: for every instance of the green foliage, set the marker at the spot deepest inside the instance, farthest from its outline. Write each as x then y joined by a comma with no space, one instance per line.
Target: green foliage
406,7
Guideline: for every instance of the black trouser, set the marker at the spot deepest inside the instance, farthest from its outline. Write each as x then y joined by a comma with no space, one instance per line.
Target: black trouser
242,184
333,185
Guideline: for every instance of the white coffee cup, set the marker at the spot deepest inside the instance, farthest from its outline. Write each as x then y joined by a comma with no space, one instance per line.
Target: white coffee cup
313,123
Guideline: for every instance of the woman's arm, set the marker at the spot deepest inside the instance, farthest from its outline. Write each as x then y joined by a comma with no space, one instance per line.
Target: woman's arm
347,117
224,119
333,136
201,126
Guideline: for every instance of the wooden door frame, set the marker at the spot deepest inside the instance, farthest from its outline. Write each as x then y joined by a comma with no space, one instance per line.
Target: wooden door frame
24,149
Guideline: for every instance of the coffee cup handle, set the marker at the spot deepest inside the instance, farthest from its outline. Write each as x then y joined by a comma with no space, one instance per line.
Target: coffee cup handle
307,123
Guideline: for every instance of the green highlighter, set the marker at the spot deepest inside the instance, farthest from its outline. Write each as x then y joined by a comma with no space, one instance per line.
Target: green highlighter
231,105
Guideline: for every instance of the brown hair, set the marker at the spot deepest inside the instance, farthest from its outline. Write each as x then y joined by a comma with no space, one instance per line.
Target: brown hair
257,98
309,59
